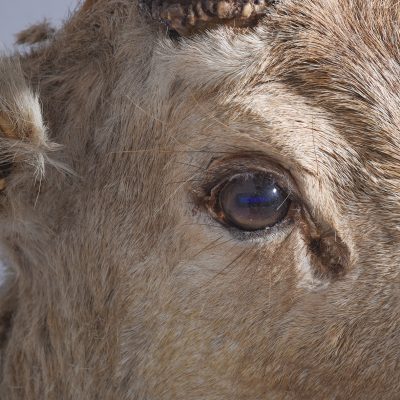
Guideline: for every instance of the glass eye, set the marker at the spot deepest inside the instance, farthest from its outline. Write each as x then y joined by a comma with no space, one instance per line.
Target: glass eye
253,201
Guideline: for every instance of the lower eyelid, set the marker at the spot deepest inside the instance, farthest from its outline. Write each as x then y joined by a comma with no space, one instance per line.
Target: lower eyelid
276,232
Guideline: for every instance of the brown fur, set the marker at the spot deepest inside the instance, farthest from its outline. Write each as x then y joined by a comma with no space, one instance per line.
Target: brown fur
36,33
123,286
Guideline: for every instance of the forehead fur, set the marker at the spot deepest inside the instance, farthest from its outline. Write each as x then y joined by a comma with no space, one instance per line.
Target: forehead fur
322,46
295,37
340,57
336,61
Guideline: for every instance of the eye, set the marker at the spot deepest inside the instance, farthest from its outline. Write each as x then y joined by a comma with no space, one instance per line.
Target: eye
253,201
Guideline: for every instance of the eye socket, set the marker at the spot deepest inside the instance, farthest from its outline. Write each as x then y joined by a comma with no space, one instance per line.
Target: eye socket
252,201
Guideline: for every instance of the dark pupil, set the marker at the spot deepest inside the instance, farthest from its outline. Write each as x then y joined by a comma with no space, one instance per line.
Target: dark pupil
253,201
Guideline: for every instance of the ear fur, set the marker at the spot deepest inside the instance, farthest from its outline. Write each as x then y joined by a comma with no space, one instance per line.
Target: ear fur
23,140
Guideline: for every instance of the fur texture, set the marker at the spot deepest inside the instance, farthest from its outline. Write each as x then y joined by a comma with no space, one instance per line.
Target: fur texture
36,33
124,285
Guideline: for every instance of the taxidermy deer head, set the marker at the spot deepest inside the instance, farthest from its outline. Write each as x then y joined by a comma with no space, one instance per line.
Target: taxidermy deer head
200,199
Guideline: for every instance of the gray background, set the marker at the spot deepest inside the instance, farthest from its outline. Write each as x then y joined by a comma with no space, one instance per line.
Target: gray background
16,15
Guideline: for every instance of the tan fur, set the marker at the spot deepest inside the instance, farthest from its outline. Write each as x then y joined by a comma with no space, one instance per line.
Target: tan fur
36,33
123,286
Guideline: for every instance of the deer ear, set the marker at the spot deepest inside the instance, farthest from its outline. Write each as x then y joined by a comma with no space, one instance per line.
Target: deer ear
23,151
23,141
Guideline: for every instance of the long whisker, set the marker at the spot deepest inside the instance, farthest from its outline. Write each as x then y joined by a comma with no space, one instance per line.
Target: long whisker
163,123
190,165
168,199
230,264
161,150
197,224
144,111
185,181
213,117
210,246
253,257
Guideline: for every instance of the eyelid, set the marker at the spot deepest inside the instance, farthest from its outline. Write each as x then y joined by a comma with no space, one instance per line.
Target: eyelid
221,171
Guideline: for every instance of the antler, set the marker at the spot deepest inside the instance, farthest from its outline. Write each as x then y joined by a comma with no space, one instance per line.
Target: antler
189,16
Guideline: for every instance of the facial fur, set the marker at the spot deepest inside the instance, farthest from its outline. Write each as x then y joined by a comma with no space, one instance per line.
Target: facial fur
124,281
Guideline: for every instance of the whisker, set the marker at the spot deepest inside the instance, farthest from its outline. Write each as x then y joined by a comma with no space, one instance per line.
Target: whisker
190,165
210,246
232,263
254,256
186,181
315,151
161,150
171,196
284,201
144,111
213,117
38,192
197,224
163,123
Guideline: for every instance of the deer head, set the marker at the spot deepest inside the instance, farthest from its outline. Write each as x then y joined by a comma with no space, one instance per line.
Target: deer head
200,200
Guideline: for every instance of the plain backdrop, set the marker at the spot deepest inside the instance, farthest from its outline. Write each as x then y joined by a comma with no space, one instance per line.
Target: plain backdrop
15,15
